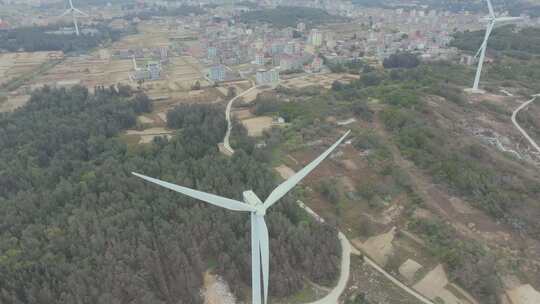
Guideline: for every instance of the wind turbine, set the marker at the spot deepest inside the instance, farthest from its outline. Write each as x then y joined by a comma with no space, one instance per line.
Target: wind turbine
491,19
74,12
260,252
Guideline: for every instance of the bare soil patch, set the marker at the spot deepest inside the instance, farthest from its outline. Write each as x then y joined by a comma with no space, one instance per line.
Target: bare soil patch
409,269
284,171
380,247
14,102
257,125
242,114
435,285
524,294
217,291
145,120
350,164
146,136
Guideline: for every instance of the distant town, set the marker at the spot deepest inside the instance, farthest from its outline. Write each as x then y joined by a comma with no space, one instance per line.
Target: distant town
227,49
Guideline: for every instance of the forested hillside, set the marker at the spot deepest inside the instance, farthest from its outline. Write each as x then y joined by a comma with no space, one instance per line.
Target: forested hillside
514,6
32,39
184,10
77,228
508,40
289,16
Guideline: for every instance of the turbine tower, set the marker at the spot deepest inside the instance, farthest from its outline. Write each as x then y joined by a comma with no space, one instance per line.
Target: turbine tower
260,251
491,19
74,12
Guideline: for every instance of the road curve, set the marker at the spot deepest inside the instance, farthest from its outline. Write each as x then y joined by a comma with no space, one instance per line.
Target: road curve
514,121
336,292
226,143
347,250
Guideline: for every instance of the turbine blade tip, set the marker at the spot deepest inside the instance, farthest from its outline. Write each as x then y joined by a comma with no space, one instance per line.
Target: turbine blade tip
138,175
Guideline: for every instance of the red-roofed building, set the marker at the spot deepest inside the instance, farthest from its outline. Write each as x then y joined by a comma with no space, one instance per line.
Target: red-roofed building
4,24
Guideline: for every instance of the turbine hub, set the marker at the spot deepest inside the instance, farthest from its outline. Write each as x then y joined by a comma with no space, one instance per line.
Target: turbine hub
252,199
261,211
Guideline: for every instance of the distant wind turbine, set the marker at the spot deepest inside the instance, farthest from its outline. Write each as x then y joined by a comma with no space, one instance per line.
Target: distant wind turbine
74,12
491,19
260,252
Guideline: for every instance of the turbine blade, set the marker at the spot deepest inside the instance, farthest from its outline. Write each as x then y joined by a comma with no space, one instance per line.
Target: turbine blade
71,4
508,19
490,7
480,50
286,186
75,25
255,261
489,29
203,196
68,11
265,253
78,11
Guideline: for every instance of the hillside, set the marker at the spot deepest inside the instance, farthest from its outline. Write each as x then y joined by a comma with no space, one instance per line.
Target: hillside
424,174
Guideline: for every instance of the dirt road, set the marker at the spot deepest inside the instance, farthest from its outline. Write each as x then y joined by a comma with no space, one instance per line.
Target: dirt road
226,143
514,121
347,250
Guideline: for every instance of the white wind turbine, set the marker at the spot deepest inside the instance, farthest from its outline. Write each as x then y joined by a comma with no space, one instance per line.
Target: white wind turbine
491,20
260,252
74,12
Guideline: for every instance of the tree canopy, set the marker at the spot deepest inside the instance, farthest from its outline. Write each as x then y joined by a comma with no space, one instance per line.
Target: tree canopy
76,227
289,16
33,39
506,39
401,60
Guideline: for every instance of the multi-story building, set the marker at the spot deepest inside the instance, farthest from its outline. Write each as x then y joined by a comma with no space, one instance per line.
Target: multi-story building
316,64
259,58
212,52
217,73
268,77
154,70
316,37
291,48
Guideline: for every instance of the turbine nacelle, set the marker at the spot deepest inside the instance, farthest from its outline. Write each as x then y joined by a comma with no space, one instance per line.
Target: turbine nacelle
253,200
74,12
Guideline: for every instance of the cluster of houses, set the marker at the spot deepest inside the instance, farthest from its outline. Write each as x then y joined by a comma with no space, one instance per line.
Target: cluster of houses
154,59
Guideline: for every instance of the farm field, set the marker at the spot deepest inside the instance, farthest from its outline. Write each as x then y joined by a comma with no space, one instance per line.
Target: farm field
14,65
105,67
323,80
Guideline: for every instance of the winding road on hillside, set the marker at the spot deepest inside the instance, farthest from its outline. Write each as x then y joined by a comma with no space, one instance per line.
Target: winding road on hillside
514,120
347,249
226,143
